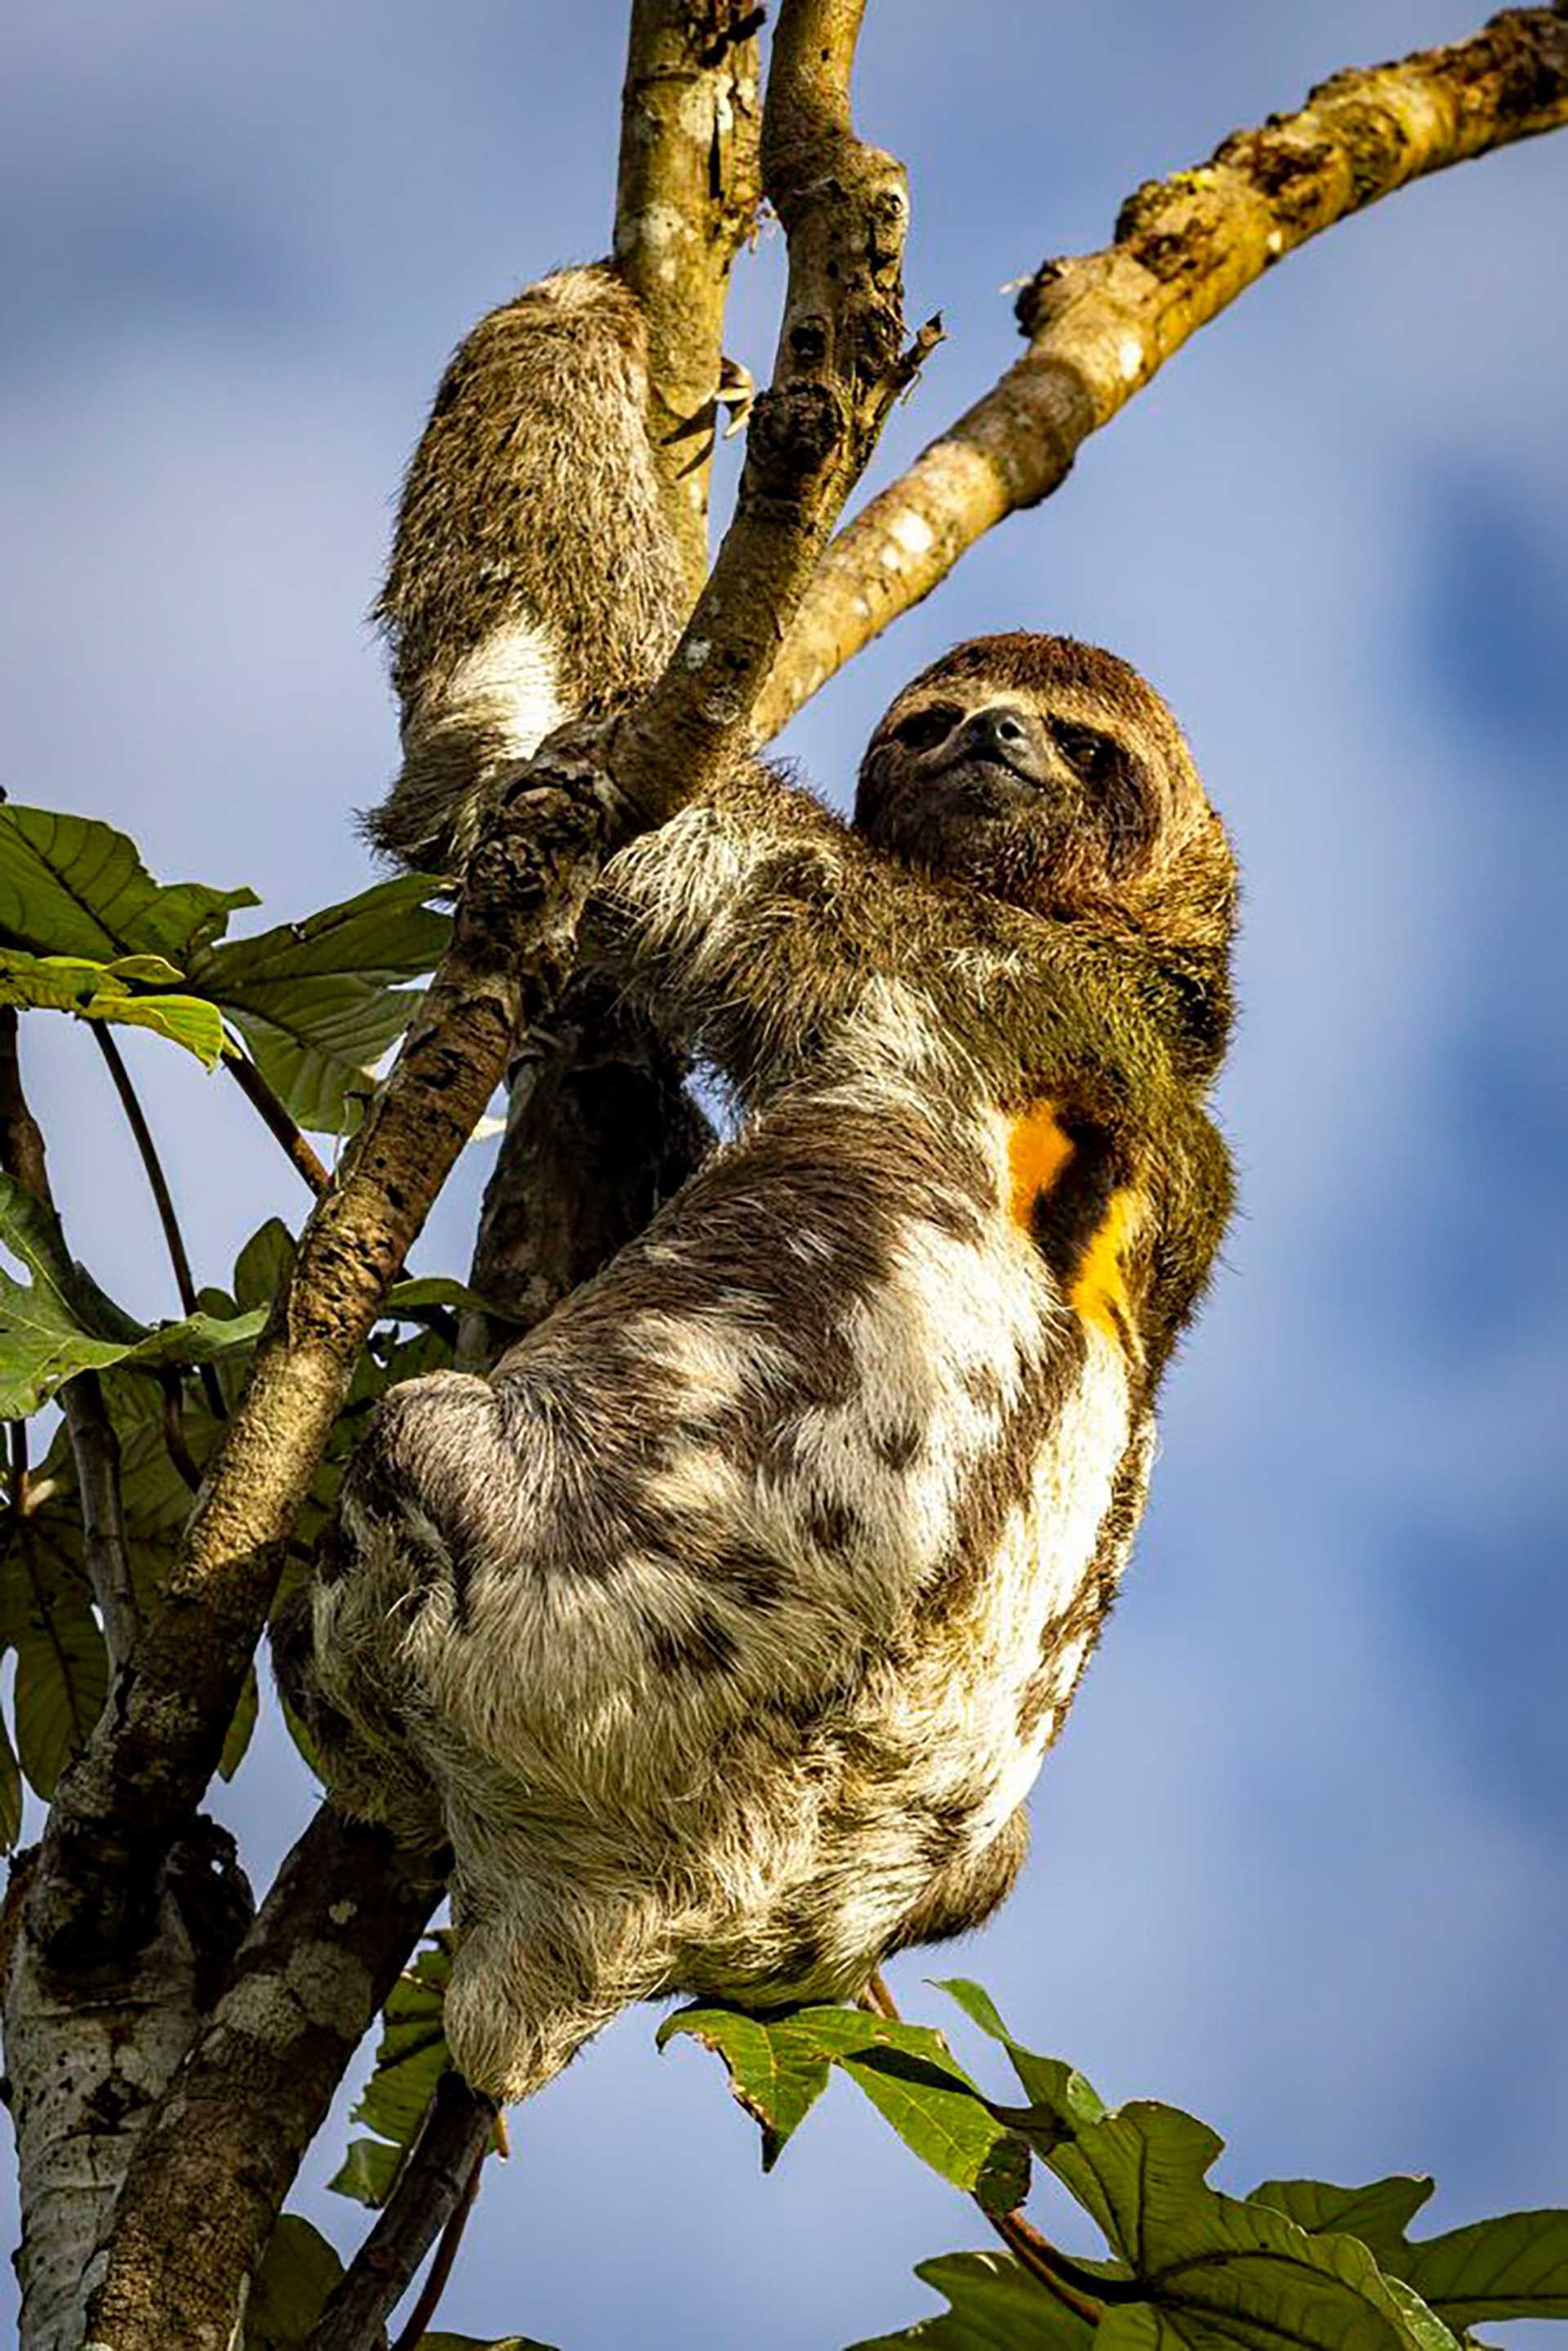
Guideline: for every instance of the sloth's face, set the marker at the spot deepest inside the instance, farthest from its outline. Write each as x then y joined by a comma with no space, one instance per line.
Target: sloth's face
998,787
1049,774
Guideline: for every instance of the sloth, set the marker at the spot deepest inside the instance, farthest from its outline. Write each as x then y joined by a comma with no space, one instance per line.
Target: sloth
720,1633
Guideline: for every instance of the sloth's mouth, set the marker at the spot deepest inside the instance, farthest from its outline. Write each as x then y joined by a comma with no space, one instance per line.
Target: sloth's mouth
990,768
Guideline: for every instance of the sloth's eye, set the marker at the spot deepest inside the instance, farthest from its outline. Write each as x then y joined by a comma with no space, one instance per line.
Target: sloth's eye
1087,752
923,730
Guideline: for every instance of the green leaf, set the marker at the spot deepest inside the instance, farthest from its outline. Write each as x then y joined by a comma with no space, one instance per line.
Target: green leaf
62,1680
316,1002
995,2306
387,932
779,2067
775,2074
431,1289
61,1323
1515,2267
97,991
1062,2102
1219,2272
298,2273
1378,2213
318,1050
69,885
45,1598
263,1262
367,2171
10,1793
410,2057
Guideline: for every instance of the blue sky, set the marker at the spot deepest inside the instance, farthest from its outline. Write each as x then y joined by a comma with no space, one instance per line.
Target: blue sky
1299,1860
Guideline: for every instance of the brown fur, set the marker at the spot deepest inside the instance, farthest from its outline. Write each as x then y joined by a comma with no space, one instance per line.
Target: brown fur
722,1630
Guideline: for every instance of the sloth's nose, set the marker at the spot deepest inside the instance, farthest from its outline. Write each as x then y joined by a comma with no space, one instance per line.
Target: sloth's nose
1000,732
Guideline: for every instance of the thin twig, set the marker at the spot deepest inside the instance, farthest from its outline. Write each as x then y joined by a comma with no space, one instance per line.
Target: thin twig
260,1096
441,2170
440,2270
106,1546
20,1492
1065,2276
175,1442
163,1200
95,1448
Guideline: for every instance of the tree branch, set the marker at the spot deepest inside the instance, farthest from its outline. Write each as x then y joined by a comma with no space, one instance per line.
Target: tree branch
217,2160
687,196
275,1119
1101,327
412,2332
144,1768
438,2179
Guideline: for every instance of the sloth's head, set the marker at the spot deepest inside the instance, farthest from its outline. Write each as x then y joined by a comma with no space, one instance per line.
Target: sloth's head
1049,774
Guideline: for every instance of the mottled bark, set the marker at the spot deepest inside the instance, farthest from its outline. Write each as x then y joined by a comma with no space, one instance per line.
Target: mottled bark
221,2149
686,197
1099,327
87,2065
840,363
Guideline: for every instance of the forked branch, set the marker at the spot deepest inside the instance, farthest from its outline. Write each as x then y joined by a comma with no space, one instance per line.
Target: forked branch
841,364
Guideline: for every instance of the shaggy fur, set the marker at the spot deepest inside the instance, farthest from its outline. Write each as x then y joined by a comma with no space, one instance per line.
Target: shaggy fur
722,1631
500,617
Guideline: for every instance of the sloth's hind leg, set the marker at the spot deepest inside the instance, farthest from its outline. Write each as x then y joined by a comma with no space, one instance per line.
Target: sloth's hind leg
351,1651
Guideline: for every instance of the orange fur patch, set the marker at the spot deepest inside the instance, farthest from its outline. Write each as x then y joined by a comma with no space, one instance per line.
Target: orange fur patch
1100,1292
1038,1151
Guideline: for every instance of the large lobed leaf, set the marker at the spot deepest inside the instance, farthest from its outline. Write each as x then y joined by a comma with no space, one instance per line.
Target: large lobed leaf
104,991
72,886
297,2271
85,929
317,1000
1300,2265
995,2305
1513,2267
